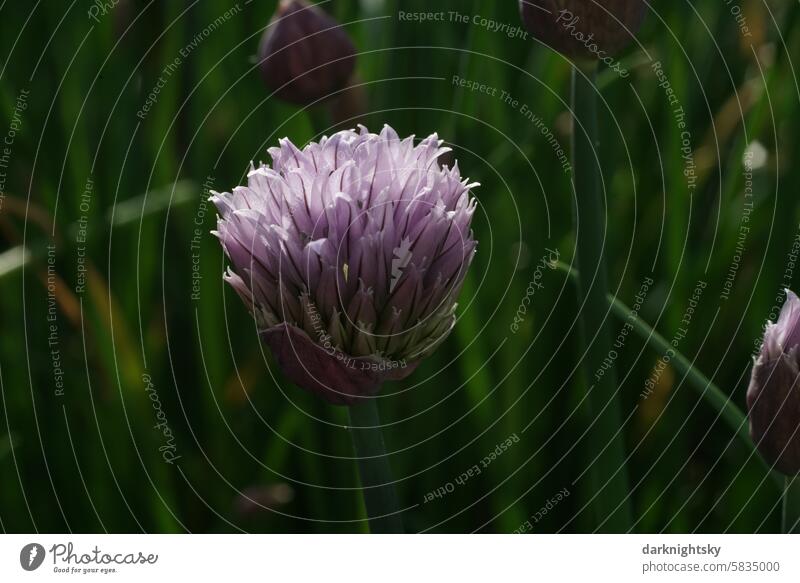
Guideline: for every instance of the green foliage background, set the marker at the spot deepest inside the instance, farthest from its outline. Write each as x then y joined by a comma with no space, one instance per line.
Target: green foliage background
89,460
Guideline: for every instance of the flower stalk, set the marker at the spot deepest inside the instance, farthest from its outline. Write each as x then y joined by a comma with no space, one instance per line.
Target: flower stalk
377,485
608,473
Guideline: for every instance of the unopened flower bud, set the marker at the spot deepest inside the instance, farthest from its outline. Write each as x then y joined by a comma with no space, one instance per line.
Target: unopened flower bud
594,29
773,397
305,55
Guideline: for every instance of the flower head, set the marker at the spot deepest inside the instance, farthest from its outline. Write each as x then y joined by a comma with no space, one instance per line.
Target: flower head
305,55
593,29
773,397
350,254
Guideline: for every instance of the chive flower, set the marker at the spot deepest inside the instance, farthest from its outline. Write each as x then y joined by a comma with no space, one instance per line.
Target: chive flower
773,397
350,254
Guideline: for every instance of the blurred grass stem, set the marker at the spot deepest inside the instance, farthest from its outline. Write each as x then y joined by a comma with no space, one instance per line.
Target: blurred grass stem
605,447
791,506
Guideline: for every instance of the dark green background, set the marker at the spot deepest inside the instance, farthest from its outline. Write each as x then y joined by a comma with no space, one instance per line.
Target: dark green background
89,460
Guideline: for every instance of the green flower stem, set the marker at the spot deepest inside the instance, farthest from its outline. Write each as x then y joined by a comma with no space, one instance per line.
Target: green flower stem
791,505
712,394
608,473
377,486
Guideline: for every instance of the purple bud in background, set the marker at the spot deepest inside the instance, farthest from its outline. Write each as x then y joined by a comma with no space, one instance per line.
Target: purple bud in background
350,254
773,397
593,29
305,55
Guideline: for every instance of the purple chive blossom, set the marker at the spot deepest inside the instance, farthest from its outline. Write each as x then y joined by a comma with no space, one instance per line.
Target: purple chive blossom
773,397
350,254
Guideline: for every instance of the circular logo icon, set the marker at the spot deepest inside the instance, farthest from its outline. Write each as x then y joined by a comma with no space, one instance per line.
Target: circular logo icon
31,556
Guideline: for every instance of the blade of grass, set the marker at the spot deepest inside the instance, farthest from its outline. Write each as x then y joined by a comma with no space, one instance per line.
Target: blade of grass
127,213
791,506
608,472
5,445
713,395
13,260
